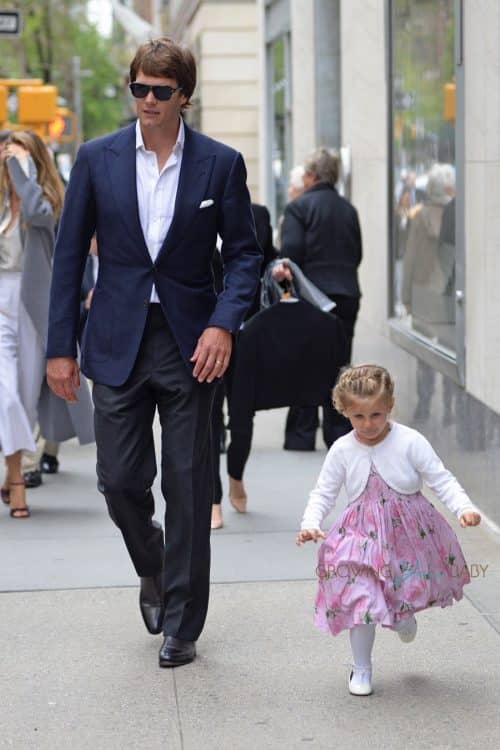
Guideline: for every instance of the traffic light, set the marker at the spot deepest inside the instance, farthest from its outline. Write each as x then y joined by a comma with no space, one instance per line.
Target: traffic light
63,126
36,104
449,102
4,115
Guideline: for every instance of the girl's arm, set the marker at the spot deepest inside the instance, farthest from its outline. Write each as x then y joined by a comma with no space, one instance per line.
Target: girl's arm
438,478
35,208
322,498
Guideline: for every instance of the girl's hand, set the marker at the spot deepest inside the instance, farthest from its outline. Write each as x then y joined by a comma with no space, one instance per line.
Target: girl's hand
14,149
469,518
307,535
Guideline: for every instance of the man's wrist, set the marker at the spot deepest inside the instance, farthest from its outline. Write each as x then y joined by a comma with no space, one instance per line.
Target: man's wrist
61,356
221,328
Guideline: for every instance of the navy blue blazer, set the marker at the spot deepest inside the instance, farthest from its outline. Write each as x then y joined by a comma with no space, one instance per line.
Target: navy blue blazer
102,197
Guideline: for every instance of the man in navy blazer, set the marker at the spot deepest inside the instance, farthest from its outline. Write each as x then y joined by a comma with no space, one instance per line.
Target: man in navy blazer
157,337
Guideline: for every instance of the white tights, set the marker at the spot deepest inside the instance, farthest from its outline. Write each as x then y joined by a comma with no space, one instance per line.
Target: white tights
362,638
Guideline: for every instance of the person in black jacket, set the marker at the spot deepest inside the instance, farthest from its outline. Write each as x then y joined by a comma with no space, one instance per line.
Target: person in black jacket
264,234
321,233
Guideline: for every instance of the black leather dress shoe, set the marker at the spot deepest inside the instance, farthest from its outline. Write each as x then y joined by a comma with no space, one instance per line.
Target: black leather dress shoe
49,464
151,604
32,479
175,653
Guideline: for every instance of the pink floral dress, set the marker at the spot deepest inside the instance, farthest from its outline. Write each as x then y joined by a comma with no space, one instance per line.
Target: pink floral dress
386,557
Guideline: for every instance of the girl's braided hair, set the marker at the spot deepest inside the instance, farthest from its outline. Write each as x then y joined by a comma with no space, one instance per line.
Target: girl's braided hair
363,381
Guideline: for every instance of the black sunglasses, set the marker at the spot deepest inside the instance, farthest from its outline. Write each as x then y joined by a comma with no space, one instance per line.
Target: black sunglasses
162,92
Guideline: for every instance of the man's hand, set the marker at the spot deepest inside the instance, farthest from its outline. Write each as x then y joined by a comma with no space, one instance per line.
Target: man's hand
469,518
63,376
212,354
281,271
307,535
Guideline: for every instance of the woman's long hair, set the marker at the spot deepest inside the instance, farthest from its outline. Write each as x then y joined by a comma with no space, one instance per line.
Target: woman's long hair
47,176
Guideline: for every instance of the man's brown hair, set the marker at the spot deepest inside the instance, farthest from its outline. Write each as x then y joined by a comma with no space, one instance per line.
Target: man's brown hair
164,58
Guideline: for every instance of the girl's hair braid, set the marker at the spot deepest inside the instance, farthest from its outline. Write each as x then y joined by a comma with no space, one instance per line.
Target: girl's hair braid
363,381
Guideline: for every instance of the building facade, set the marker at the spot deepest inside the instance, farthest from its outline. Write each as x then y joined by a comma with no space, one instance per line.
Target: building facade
301,60
411,89
224,37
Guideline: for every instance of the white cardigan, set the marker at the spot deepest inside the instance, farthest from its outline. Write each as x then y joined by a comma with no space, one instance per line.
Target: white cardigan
403,459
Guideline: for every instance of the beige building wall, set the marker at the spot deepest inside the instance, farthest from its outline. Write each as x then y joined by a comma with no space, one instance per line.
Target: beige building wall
303,78
225,39
482,214
364,128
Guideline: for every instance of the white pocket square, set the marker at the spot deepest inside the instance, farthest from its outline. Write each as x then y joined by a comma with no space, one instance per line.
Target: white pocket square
207,203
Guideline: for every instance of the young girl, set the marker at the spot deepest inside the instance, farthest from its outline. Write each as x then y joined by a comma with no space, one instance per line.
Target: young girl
390,554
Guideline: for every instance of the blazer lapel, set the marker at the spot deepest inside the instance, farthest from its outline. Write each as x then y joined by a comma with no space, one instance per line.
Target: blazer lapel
196,168
121,159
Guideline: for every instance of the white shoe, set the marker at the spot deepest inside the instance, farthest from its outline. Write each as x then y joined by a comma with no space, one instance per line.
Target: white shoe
407,629
360,681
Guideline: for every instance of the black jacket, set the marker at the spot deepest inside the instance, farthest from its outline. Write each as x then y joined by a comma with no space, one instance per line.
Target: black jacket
287,355
321,233
264,234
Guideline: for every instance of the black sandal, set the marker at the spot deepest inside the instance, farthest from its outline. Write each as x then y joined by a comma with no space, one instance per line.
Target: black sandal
26,513
24,510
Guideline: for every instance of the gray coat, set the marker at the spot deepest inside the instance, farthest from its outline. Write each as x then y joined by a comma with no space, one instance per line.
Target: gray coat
59,420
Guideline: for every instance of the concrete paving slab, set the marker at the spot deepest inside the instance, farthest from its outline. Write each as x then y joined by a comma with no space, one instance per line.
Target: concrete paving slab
273,681
80,672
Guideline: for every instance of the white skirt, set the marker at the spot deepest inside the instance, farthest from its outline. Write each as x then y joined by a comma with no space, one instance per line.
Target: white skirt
16,432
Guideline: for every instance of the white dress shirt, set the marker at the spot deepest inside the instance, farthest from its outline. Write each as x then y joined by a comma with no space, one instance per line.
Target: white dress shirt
403,459
95,267
156,192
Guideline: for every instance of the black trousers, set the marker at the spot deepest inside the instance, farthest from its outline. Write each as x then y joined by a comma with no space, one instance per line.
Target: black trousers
217,428
302,422
238,452
126,468
222,391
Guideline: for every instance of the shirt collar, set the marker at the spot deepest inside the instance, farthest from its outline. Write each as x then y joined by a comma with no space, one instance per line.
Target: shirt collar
179,144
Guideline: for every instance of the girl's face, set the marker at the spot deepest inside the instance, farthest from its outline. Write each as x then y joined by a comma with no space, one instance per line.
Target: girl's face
369,418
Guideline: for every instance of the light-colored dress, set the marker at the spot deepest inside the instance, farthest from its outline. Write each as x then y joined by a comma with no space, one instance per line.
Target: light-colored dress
386,557
15,429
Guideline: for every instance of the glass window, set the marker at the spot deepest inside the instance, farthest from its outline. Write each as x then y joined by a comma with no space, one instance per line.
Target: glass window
424,168
281,131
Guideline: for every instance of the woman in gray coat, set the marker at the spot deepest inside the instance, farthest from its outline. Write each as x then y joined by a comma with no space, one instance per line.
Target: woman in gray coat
35,194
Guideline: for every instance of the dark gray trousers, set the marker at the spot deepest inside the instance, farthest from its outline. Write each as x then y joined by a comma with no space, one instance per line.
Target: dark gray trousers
126,468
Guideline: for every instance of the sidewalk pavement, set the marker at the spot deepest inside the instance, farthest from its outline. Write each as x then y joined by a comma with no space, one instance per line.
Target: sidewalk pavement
79,671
